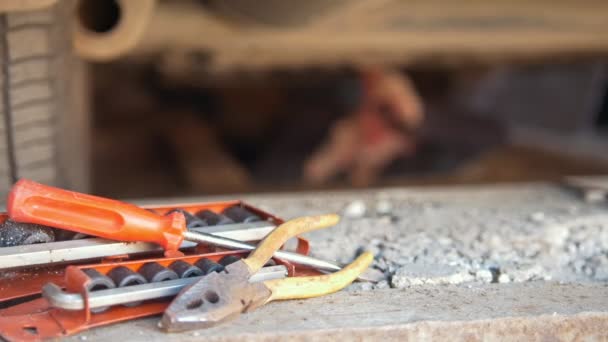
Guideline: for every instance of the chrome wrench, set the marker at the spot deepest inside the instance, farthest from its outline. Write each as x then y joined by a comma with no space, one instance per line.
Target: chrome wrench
104,298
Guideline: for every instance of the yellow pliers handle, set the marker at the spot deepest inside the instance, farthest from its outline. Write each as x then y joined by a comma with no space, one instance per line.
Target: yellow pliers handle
304,287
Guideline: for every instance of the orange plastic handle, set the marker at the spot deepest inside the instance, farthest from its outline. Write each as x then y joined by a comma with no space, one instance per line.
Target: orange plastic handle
32,202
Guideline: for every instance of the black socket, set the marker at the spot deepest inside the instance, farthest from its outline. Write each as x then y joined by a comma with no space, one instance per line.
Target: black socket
208,266
228,259
155,272
241,215
212,218
185,270
98,282
123,276
191,220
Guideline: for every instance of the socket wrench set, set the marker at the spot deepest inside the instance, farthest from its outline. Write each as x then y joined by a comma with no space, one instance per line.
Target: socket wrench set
51,288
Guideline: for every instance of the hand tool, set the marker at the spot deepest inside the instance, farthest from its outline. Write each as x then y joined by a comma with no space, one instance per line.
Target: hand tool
32,202
104,298
222,296
92,248
25,280
37,319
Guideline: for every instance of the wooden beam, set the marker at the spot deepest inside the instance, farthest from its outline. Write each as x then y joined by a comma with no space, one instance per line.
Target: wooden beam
392,32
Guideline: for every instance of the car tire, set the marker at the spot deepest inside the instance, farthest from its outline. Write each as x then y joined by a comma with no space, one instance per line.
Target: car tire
43,117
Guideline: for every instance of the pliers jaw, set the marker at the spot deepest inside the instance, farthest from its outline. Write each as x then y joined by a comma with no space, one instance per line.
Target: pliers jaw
217,298
222,296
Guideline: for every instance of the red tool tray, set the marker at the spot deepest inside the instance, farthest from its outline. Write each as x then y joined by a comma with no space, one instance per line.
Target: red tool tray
26,282
34,319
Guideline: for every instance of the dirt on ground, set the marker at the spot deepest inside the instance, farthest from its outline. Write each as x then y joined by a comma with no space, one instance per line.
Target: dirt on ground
457,235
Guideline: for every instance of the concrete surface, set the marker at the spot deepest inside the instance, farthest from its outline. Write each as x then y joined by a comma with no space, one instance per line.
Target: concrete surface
461,234
526,311
514,261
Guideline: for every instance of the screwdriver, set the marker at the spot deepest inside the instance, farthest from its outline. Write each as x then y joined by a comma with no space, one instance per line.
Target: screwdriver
32,202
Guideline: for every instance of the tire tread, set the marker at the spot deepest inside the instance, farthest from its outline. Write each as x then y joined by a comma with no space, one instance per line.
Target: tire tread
27,61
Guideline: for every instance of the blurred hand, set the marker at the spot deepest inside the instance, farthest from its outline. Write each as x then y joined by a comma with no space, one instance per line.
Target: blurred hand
378,132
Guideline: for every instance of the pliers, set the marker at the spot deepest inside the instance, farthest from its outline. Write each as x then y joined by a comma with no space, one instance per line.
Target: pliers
220,297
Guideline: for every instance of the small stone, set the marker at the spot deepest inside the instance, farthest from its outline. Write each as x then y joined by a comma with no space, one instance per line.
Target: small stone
484,275
384,208
538,216
432,274
588,249
196,334
503,278
83,338
355,209
595,195
382,285
444,241
387,219
374,275
557,235
364,286
376,242
572,209
531,272
381,264
578,265
601,272
588,271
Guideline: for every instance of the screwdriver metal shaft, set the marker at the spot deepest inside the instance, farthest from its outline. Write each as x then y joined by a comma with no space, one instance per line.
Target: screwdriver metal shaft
296,258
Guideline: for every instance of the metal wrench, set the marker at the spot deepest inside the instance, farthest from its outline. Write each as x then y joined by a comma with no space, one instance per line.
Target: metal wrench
103,298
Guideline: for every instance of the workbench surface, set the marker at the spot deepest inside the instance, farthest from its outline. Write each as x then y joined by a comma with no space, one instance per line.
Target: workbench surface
527,260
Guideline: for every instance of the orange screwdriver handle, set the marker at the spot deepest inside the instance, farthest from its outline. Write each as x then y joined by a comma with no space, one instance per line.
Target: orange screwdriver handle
32,202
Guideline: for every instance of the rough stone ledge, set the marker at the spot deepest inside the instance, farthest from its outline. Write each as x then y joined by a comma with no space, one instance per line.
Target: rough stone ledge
518,311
